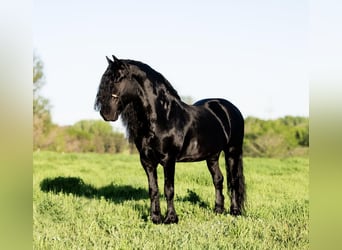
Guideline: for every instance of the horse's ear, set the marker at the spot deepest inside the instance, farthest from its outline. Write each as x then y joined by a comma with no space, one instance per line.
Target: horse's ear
110,62
119,63
115,59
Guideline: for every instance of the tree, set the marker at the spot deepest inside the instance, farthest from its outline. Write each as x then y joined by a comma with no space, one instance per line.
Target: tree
96,136
41,108
275,138
187,99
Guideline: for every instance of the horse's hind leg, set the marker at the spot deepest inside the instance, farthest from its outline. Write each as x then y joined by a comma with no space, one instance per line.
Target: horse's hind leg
235,180
217,176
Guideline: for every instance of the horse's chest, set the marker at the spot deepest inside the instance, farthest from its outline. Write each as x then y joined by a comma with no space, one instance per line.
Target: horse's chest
161,146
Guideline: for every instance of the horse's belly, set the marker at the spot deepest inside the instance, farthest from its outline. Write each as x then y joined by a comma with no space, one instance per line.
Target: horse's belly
198,151
190,153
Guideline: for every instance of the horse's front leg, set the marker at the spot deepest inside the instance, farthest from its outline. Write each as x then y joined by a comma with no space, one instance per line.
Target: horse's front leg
151,172
169,176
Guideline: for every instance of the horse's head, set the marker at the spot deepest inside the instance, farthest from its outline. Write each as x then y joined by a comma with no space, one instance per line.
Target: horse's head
115,89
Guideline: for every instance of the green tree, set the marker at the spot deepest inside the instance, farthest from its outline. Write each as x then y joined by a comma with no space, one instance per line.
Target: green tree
97,136
187,99
276,138
41,107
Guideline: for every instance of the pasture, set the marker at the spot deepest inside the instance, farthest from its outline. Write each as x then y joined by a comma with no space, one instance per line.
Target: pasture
100,201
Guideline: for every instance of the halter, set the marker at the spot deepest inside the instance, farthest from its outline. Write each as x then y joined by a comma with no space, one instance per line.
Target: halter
117,97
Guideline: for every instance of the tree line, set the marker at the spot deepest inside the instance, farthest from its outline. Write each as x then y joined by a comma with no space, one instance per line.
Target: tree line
287,136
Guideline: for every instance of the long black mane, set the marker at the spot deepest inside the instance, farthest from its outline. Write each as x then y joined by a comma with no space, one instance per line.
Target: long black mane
134,116
152,75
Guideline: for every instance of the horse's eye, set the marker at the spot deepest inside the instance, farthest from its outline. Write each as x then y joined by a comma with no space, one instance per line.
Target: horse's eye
115,96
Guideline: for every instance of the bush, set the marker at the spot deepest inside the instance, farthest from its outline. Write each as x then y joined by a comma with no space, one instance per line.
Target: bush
85,136
276,138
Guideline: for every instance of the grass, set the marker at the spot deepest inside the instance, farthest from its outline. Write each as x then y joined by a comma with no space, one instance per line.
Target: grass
94,201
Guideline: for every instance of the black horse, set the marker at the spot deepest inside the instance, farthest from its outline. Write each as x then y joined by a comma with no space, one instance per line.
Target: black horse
166,130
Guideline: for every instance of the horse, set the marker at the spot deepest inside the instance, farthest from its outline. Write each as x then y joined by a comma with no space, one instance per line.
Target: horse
165,130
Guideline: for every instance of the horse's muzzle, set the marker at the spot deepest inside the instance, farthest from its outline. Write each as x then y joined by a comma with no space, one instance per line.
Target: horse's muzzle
110,117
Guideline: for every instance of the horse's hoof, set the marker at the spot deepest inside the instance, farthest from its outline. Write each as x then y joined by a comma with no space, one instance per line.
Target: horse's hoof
156,219
235,211
218,209
173,218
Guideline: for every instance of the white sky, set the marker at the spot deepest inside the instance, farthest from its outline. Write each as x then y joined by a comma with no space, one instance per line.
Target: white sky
253,53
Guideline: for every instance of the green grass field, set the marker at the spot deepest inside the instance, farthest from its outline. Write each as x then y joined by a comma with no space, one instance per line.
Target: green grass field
94,201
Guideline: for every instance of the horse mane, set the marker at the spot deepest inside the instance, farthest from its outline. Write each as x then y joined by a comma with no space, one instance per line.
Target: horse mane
137,116
131,121
156,78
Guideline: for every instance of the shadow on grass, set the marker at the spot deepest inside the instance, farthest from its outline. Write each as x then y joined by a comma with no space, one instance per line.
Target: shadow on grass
76,186
112,192
194,198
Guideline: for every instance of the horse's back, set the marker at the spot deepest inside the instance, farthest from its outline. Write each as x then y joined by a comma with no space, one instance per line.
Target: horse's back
228,114
216,104
225,103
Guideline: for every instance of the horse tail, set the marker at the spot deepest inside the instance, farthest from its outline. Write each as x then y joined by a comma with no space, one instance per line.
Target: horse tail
234,165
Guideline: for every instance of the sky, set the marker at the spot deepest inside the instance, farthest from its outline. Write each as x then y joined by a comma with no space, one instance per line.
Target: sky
253,53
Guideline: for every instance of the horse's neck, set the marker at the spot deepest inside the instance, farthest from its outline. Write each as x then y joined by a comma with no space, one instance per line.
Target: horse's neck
144,121
144,114
136,120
